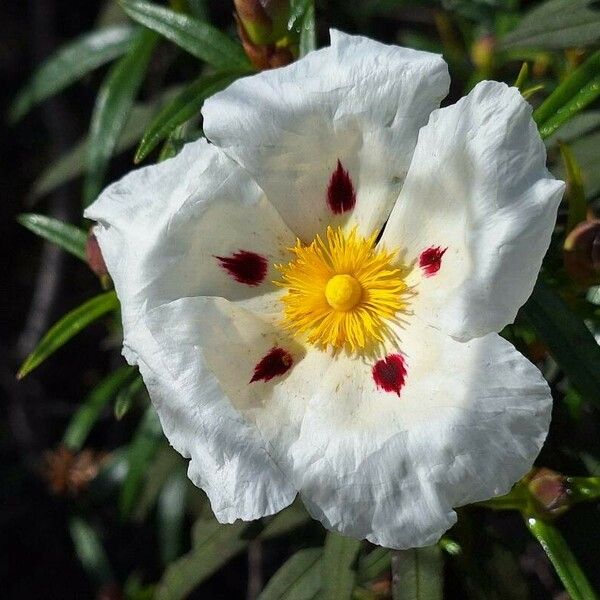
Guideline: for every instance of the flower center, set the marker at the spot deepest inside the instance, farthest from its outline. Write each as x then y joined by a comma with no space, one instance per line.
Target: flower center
342,292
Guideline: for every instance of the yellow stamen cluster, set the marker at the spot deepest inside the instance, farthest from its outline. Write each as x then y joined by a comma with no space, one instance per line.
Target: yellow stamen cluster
342,292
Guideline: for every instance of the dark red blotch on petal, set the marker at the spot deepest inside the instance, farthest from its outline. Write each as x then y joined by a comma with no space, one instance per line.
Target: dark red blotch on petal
276,362
431,260
341,196
389,373
244,266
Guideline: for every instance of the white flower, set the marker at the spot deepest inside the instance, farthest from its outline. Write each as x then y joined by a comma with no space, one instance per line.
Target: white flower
290,347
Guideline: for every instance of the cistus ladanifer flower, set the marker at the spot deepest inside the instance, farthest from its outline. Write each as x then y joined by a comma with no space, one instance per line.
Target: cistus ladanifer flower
313,294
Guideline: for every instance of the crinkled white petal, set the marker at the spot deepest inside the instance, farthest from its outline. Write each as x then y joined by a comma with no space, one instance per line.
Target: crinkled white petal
357,101
468,423
478,186
194,358
162,227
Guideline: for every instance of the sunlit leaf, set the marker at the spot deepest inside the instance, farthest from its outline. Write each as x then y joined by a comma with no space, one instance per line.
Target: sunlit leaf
70,63
68,326
89,551
67,236
417,574
565,563
571,343
91,408
142,449
298,579
579,125
338,572
196,37
556,24
213,545
112,108
578,90
186,105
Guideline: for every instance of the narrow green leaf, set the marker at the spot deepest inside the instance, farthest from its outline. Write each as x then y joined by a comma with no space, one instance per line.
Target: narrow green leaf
583,123
338,573
127,396
522,77
575,192
298,579
91,408
570,341
196,37
185,106
171,515
417,574
72,163
285,521
68,326
302,21
144,445
578,90
585,152
113,106
556,24
67,236
583,489
89,551
213,545
567,568
69,63
373,564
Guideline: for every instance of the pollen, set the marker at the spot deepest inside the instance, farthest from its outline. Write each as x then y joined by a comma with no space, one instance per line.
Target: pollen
342,292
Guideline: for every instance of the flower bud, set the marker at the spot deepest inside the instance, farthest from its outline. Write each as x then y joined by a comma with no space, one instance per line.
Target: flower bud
482,52
264,56
264,21
549,491
95,260
582,253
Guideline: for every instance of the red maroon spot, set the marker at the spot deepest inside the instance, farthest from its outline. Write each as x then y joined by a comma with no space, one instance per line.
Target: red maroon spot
277,362
389,373
246,267
431,260
341,196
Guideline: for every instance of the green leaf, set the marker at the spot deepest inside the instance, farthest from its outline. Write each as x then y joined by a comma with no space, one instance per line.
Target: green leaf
68,326
585,151
67,236
72,163
577,127
575,194
196,37
91,408
69,63
298,579
113,106
556,24
126,397
302,21
213,545
89,551
185,106
567,568
583,489
417,574
372,565
285,521
578,90
571,343
171,515
338,574
142,449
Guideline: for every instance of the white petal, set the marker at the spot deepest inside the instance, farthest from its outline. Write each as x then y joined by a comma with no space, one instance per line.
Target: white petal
478,186
162,228
197,357
468,423
358,101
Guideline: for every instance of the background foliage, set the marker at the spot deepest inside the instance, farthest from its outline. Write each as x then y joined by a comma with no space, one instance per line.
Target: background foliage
94,501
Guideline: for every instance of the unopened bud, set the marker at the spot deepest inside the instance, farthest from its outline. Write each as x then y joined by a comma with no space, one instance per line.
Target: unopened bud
95,260
582,253
482,52
264,21
264,56
549,491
